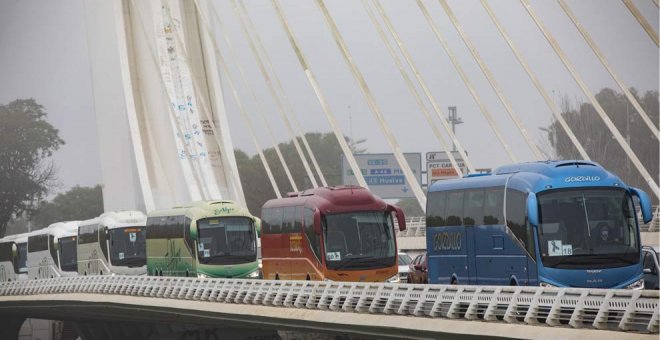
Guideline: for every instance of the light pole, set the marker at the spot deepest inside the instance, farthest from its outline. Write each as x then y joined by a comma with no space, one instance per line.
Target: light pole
454,119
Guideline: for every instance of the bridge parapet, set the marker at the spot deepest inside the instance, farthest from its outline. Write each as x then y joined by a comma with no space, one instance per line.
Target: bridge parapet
620,310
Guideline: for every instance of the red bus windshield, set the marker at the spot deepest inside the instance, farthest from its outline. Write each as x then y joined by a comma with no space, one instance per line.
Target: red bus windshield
359,240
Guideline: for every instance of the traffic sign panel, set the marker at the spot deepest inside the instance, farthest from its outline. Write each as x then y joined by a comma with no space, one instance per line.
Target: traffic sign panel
383,173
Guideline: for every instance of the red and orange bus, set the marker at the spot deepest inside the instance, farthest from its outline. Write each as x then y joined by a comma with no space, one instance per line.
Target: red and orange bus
332,233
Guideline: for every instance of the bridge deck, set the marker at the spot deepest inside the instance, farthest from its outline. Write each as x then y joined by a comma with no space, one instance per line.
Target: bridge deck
362,308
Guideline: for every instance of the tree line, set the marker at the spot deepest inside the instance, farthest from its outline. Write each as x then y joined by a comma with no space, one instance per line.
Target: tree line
598,141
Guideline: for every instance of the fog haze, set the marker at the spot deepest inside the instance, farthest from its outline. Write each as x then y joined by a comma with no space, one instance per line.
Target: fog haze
43,55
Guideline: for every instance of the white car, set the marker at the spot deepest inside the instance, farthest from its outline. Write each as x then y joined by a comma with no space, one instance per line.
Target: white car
403,261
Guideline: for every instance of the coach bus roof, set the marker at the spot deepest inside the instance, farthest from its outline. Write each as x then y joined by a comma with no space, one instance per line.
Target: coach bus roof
18,238
538,176
59,229
119,219
201,209
332,199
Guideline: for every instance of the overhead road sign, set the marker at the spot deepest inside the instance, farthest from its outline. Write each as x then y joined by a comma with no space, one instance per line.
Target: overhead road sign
383,174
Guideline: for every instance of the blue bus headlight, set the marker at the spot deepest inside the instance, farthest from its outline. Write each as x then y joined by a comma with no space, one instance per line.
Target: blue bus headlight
637,285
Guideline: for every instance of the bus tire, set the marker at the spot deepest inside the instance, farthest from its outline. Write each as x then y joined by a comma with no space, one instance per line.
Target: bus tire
277,277
101,272
454,281
187,273
308,278
513,282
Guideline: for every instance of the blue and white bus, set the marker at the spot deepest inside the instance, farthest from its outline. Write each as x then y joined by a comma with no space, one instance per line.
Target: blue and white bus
554,223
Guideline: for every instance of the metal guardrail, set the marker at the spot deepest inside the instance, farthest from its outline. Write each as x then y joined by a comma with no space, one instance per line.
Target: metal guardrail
415,227
622,310
652,226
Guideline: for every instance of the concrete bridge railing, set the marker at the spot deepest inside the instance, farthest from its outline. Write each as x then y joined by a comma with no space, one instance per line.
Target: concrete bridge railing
618,310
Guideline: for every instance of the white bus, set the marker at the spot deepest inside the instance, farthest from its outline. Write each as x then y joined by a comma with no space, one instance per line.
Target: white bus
13,258
8,260
113,243
21,245
51,252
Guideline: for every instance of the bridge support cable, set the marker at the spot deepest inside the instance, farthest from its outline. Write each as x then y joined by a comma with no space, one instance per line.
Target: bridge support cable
587,37
482,107
253,95
285,99
599,109
425,89
276,88
411,87
206,106
491,80
642,21
271,89
246,117
556,112
371,101
319,95
196,192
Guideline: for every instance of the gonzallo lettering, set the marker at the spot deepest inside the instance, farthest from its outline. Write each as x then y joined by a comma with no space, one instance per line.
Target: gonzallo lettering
447,241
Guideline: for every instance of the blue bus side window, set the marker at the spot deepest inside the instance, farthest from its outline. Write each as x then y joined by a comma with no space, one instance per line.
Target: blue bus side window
473,209
516,208
435,209
454,208
493,206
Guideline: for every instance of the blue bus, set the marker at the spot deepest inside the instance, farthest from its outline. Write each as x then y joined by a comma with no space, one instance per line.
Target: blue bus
554,223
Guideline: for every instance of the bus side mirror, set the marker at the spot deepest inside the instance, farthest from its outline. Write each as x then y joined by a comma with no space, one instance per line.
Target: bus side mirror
257,225
400,217
317,222
644,202
15,257
532,209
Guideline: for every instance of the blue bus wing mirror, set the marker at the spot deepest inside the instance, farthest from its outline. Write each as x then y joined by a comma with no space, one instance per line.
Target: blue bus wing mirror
257,225
645,204
400,217
532,209
317,222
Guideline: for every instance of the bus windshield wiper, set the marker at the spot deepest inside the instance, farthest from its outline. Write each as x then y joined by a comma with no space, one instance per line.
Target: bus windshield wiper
345,263
610,257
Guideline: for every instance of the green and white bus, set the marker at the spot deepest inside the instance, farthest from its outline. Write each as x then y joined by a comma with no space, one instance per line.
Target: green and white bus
203,239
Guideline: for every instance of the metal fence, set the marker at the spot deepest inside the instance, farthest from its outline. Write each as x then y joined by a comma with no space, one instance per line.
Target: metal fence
415,227
654,225
622,310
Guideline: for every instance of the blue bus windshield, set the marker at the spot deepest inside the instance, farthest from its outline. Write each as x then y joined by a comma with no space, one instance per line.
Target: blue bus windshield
587,229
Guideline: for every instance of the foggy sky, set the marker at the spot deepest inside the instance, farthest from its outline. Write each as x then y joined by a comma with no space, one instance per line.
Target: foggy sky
43,55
